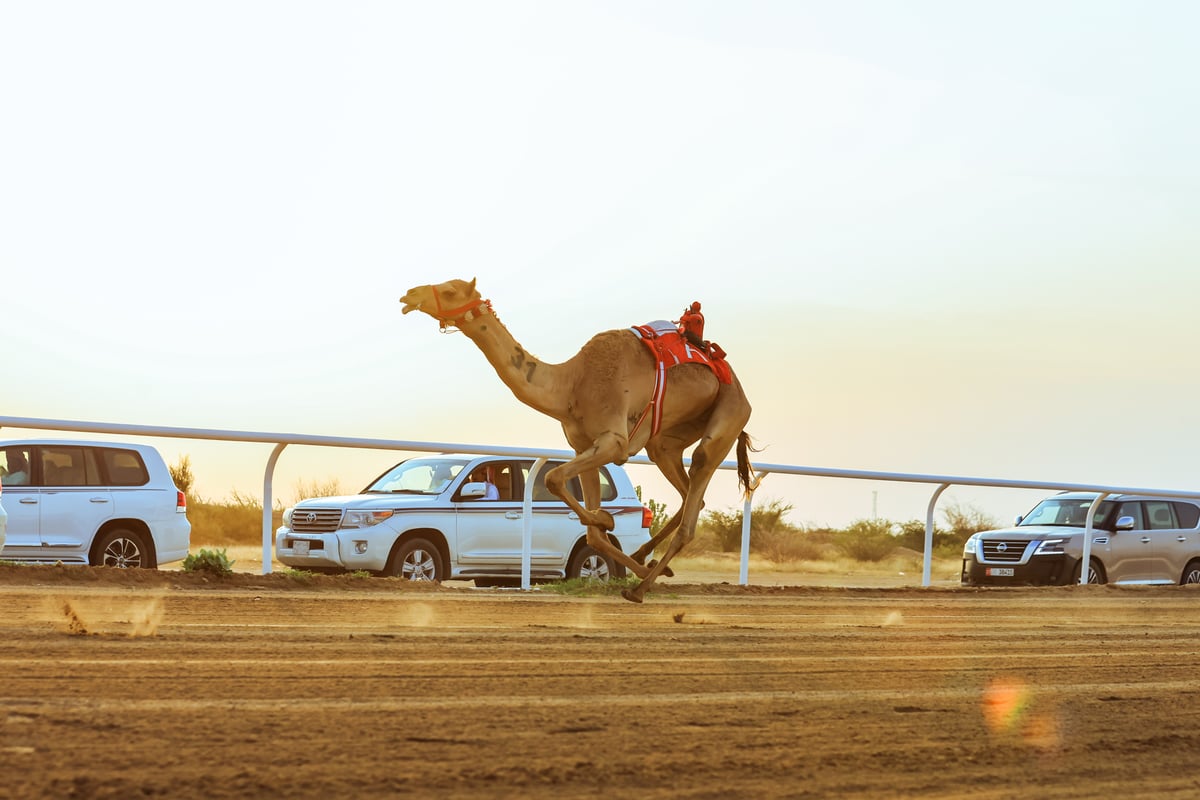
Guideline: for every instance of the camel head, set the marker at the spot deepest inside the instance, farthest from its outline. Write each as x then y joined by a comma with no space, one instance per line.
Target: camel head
445,302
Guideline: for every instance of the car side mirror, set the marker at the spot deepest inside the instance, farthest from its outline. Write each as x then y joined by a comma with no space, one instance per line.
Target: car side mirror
471,491
1017,521
1125,523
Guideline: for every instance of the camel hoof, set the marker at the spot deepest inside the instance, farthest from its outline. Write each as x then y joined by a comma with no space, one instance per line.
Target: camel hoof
631,595
667,571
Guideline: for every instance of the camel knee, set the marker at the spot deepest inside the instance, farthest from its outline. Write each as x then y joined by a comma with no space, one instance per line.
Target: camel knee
555,481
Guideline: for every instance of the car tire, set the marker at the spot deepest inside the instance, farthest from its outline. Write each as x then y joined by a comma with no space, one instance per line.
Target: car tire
122,548
589,564
417,560
1191,573
1095,574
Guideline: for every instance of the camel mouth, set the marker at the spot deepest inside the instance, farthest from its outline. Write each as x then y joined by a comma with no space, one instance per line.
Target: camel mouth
407,307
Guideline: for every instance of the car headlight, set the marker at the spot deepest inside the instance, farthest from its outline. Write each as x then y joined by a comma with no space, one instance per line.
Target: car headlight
969,544
1050,547
287,516
364,519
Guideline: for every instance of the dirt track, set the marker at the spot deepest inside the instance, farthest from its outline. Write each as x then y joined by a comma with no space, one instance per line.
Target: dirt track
122,684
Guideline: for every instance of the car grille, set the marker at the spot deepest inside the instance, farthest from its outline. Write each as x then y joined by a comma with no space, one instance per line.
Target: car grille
316,520
1004,550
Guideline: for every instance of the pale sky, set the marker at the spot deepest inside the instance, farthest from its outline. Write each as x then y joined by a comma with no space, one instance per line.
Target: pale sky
940,237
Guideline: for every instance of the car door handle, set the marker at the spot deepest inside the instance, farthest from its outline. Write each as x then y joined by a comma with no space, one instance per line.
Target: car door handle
28,500
1181,538
572,515
512,514
99,499
1145,540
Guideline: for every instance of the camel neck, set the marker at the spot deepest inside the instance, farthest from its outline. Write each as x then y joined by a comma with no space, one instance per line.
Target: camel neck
533,381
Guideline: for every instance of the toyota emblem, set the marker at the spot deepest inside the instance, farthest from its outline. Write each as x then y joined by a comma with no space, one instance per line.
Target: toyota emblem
311,517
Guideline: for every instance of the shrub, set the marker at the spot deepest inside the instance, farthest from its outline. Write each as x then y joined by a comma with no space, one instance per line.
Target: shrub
214,562
965,520
658,511
327,488
181,474
237,521
867,540
767,528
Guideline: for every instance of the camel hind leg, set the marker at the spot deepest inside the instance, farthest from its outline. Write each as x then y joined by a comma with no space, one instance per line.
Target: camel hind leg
705,460
724,429
666,452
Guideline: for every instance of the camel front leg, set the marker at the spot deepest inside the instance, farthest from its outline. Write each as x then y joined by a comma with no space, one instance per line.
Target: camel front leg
596,519
598,540
637,593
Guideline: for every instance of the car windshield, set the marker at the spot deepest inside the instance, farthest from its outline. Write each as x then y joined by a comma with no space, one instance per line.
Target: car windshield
418,476
1067,512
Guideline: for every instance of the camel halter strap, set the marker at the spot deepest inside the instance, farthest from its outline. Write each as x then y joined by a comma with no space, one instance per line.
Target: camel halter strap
450,318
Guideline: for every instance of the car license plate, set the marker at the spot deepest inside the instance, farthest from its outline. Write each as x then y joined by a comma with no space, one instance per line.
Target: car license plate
1000,572
300,547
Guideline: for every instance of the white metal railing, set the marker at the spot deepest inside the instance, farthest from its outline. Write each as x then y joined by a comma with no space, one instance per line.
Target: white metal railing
282,440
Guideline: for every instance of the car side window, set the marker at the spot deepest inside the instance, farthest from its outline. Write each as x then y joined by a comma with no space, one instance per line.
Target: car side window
1134,510
69,466
124,467
499,474
14,466
1160,515
1187,514
608,490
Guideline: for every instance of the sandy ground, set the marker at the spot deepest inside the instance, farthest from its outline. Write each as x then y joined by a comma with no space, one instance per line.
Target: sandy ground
134,683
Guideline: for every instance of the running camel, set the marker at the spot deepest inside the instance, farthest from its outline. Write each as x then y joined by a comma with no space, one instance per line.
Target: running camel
601,396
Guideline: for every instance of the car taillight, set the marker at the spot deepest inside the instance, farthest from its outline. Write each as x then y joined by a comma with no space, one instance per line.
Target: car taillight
180,502
647,517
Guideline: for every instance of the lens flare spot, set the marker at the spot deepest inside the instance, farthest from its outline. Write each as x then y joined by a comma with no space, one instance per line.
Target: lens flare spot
1004,701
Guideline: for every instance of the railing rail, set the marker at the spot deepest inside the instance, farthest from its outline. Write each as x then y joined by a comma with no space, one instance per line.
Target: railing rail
282,440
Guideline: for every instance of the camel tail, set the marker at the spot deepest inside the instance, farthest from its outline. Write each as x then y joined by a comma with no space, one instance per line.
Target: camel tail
745,471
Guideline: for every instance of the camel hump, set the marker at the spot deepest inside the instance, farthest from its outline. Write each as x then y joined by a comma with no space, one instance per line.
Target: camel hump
652,330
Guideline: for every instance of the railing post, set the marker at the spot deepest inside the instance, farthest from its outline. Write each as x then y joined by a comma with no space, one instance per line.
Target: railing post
527,524
268,534
744,572
927,565
1085,566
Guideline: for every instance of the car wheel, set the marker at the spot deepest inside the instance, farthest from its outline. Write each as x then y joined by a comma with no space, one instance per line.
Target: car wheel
1191,573
1095,574
122,548
590,564
417,560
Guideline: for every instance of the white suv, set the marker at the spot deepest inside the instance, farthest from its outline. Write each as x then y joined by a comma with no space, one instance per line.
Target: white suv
459,516
99,503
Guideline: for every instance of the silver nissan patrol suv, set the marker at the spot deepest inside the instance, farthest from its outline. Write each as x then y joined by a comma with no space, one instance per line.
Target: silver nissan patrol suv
459,516
1135,539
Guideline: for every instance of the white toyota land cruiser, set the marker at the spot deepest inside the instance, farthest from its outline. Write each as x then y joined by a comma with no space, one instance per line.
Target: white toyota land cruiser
106,504
459,516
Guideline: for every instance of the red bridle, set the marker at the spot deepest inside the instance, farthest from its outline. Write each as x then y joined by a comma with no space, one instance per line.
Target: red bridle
454,317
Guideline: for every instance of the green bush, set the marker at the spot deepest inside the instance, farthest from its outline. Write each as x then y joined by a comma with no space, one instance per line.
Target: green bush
766,525
867,540
214,562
